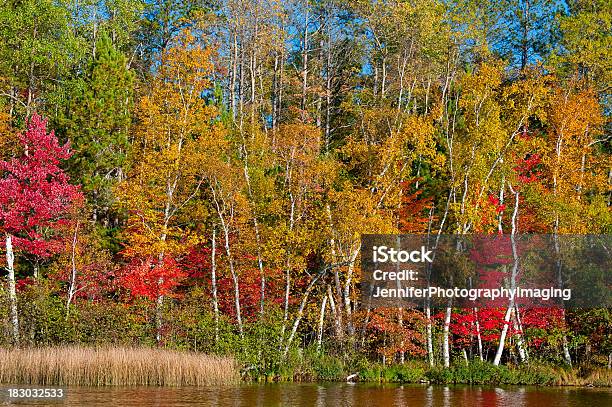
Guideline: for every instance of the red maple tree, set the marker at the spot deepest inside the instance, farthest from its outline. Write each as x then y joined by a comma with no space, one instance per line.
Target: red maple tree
35,195
35,201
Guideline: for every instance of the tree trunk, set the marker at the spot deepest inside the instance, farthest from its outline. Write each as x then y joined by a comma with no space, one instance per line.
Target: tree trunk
286,301
159,307
402,353
262,274
328,91
225,225
300,312
230,260
213,278
10,266
275,92
234,69
336,313
520,344
346,292
502,337
478,335
430,354
566,353
73,275
305,63
159,303
321,322
446,340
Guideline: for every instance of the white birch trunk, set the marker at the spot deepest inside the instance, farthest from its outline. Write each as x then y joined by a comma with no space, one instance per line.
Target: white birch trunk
321,322
430,354
72,288
446,340
10,266
478,335
520,343
504,333
213,282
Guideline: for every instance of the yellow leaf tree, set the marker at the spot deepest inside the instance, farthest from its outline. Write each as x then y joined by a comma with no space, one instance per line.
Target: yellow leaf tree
175,132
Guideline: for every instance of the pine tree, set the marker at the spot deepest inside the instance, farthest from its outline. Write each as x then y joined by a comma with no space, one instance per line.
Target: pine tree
97,124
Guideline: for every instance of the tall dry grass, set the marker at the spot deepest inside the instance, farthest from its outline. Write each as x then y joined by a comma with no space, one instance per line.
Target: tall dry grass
82,366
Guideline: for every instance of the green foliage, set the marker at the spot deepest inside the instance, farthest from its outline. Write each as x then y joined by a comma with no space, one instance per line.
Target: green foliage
47,321
587,39
477,372
96,120
164,19
406,373
37,46
328,368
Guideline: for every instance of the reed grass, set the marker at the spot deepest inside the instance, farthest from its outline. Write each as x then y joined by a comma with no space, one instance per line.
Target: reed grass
125,366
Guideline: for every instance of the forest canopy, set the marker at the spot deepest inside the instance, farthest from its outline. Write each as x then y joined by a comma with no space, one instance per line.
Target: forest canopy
198,174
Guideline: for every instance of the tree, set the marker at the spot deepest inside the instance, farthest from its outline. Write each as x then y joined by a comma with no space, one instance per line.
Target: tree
96,122
520,31
37,46
176,130
35,198
585,43
120,19
165,20
575,169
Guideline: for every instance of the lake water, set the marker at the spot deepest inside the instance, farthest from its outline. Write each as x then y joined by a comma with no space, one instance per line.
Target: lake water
328,394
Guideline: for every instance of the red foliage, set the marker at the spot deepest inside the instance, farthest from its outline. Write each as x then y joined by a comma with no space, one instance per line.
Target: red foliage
23,283
197,265
493,200
413,213
406,336
490,323
527,168
35,195
537,321
147,277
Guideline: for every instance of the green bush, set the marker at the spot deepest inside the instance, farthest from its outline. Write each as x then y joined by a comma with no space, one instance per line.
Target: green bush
371,373
485,373
329,368
410,372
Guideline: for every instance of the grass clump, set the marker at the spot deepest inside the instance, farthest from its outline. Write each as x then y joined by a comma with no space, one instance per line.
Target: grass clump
125,366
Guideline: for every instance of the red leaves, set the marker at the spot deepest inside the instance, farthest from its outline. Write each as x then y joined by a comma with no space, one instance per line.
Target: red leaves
406,336
23,283
527,168
35,195
493,200
413,213
537,322
150,278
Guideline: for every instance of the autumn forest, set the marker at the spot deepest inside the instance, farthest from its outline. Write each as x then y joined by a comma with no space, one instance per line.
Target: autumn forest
196,175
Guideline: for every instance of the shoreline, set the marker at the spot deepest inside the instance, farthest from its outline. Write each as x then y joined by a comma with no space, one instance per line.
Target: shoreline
477,373
134,366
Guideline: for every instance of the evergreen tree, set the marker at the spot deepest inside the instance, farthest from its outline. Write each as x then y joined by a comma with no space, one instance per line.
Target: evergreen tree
97,121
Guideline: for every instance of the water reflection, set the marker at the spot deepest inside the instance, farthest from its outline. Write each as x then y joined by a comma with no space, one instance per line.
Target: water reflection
330,394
